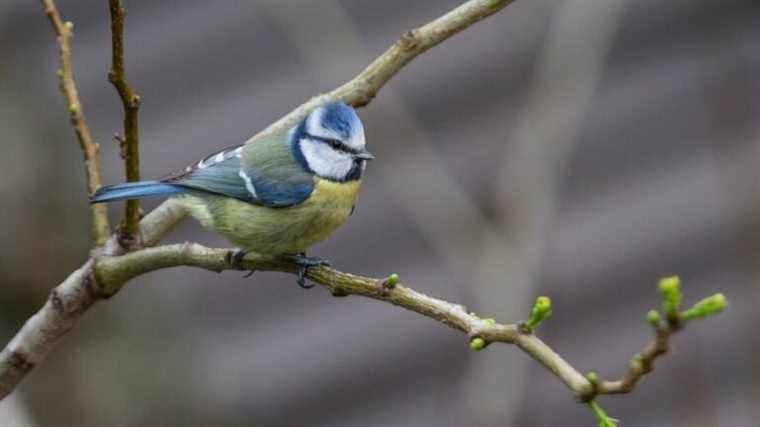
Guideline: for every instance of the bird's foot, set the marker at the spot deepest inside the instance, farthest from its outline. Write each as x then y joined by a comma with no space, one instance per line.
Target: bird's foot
236,259
304,263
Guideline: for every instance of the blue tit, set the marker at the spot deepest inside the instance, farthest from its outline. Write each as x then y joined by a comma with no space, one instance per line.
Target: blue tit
279,195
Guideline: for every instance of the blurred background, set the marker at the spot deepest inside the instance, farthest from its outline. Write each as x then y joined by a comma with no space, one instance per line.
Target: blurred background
580,149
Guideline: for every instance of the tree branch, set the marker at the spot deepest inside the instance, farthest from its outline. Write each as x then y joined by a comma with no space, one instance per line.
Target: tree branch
130,144
643,362
111,273
43,330
68,301
106,272
64,32
105,276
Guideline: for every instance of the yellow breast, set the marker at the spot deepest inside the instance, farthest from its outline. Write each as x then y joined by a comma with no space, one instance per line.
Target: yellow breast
335,193
278,230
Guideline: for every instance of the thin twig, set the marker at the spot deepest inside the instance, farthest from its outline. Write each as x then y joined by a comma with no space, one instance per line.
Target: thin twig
64,32
131,100
642,363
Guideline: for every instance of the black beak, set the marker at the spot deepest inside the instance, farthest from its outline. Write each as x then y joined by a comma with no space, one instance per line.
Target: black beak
364,155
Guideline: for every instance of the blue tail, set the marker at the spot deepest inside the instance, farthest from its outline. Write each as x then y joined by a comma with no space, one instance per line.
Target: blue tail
135,190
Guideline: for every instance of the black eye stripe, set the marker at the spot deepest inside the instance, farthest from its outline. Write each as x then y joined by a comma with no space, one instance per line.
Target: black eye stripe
334,143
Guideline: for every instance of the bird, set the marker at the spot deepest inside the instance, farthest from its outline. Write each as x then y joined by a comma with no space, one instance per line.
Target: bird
278,195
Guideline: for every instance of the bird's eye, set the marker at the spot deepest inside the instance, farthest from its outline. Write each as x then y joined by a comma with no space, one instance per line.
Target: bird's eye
334,143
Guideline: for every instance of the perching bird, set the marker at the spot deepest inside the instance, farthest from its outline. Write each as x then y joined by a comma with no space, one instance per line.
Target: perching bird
277,196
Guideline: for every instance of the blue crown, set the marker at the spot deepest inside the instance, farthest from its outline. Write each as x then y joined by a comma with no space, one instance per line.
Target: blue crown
340,118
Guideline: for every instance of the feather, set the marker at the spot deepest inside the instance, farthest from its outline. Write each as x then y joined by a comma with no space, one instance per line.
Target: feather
135,190
263,173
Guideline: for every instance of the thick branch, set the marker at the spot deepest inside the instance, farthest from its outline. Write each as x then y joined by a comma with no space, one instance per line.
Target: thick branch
67,302
131,101
64,32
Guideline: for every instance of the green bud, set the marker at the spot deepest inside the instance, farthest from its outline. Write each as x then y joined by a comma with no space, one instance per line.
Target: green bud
489,322
707,307
541,310
653,318
602,418
543,303
670,287
73,108
59,73
592,377
391,281
477,344
69,25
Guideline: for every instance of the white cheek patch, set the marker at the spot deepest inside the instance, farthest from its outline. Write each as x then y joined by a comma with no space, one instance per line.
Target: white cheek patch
325,161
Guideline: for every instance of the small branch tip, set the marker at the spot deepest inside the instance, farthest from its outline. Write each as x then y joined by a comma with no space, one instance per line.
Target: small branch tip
477,344
706,307
670,288
601,416
542,309
653,318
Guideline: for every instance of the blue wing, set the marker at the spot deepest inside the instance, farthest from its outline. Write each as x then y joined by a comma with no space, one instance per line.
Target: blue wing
263,173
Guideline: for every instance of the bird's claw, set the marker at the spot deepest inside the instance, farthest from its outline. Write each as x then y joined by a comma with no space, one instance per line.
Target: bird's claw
304,263
236,259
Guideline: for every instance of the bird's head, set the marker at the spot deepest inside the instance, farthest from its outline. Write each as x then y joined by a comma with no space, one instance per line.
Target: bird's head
331,143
